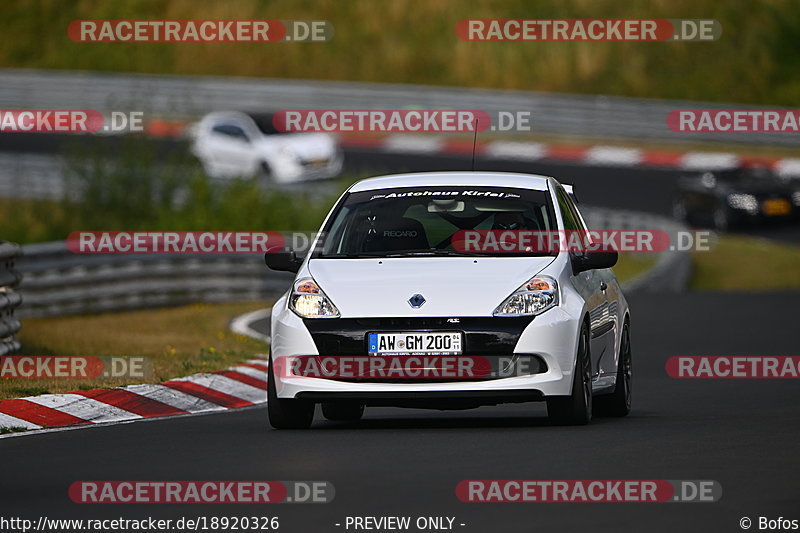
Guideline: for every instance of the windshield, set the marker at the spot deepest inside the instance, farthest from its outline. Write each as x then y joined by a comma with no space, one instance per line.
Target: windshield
264,123
748,174
428,220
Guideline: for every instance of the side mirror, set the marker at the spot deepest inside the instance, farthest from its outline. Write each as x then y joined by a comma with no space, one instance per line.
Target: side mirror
283,261
594,260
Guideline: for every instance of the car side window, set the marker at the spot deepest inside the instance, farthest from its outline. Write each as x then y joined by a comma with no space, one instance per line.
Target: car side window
571,222
576,214
230,130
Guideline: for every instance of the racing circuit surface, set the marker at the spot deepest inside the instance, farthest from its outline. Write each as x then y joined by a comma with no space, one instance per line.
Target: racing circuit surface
742,433
629,188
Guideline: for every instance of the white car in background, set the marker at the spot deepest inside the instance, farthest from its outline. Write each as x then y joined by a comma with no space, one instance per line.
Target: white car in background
388,278
232,144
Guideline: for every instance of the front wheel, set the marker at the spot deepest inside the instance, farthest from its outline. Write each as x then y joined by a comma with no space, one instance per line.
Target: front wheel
721,219
286,413
679,211
575,409
264,177
619,402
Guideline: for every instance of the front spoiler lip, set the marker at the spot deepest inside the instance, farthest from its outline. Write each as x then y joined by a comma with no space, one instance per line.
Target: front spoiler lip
428,399
490,368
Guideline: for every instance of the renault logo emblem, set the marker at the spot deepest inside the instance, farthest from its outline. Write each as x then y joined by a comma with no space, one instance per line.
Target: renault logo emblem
416,301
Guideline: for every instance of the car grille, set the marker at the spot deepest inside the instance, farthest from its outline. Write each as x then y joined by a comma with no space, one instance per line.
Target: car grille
492,338
482,335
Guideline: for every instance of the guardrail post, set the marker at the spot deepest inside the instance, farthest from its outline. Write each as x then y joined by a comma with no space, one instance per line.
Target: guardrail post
9,298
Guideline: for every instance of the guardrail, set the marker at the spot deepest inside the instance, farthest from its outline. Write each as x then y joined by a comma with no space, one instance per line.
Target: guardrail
59,282
184,97
9,298
32,176
673,268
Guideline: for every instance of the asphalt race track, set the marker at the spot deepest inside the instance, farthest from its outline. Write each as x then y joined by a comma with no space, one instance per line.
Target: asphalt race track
629,188
632,188
742,433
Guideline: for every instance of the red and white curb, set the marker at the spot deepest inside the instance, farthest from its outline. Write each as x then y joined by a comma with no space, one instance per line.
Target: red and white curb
242,324
239,386
598,155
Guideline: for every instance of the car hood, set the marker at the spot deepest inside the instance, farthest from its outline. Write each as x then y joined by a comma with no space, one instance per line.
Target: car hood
306,146
451,286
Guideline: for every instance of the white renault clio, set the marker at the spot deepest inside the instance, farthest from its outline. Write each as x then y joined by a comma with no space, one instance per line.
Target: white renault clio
232,144
412,296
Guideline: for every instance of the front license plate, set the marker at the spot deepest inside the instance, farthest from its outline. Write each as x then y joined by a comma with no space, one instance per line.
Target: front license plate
773,208
414,343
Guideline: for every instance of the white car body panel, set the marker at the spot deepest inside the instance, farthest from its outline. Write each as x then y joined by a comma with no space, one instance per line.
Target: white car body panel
472,286
290,157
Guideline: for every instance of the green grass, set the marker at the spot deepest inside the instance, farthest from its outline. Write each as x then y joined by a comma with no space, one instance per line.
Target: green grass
138,192
14,392
414,41
746,264
6,430
176,341
631,265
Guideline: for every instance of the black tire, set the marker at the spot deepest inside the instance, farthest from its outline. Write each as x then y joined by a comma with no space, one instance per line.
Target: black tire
679,211
343,411
286,413
264,178
266,171
721,219
619,402
575,409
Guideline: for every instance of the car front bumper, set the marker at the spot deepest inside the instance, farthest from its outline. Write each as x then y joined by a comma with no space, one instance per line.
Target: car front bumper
550,337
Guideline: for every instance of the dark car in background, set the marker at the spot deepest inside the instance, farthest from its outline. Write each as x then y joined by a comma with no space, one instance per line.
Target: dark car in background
734,198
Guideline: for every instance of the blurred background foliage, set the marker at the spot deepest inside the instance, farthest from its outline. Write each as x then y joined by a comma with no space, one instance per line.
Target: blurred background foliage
141,189
414,41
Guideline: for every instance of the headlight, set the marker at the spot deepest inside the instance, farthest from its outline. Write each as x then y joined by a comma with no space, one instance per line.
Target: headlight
308,300
747,202
796,198
535,296
287,153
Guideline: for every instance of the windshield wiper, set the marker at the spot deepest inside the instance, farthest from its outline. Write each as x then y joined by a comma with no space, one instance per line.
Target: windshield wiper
350,256
439,253
427,253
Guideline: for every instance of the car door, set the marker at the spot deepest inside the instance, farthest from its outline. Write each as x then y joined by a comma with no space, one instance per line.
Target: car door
592,287
707,196
231,149
689,190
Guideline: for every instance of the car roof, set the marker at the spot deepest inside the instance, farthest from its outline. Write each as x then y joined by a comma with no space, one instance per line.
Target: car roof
438,179
227,115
